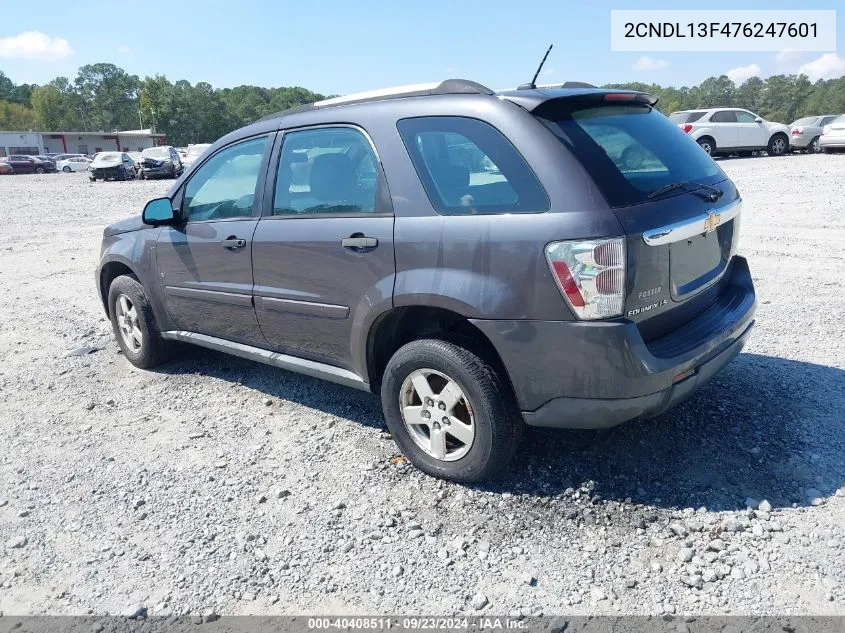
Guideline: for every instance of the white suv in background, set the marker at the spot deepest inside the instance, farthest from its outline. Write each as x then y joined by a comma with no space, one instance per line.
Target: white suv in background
732,130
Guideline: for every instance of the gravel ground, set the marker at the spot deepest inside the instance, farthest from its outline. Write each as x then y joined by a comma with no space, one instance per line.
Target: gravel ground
215,484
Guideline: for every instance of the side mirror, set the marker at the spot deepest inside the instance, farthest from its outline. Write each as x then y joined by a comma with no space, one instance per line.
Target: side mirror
758,120
159,211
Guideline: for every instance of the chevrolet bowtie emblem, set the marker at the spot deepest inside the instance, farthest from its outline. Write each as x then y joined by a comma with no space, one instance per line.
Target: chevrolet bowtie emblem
711,222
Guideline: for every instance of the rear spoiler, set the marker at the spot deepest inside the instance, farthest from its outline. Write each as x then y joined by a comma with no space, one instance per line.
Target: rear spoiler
539,100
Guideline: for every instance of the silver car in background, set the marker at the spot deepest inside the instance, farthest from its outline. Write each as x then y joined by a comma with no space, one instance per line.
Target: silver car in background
832,137
805,133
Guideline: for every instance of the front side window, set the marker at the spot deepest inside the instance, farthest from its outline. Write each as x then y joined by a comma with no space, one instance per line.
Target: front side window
745,117
725,116
224,187
326,171
468,167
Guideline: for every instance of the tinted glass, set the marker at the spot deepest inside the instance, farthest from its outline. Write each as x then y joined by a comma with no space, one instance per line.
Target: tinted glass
467,166
745,117
686,117
224,187
328,170
725,116
631,150
825,121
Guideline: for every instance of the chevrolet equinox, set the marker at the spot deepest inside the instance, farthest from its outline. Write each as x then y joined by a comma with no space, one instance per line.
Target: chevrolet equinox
559,257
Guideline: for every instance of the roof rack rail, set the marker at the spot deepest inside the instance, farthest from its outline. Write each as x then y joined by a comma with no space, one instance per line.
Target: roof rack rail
447,87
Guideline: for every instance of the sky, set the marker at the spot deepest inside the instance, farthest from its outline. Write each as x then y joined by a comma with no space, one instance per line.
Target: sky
344,46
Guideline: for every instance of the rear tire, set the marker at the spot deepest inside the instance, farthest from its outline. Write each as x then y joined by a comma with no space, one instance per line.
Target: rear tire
813,146
707,144
778,145
480,432
134,324
66,169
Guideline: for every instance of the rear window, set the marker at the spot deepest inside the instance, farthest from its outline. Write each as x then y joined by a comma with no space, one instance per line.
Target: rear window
632,150
468,167
807,120
686,117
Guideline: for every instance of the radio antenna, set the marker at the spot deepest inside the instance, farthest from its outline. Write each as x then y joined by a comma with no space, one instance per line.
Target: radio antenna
533,84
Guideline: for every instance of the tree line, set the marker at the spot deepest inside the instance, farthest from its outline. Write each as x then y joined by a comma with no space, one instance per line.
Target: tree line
105,98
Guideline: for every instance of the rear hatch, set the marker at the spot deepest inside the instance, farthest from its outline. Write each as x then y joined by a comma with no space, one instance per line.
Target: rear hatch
679,211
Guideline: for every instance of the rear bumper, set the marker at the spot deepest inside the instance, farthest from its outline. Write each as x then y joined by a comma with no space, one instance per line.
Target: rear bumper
571,374
800,141
838,142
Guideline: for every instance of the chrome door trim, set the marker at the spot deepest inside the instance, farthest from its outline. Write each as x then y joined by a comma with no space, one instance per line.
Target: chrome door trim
276,359
698,225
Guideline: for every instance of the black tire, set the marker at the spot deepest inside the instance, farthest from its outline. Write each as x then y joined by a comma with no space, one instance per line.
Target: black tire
707,144
92,179
813,146
39,170
66,169
153,349
497,422
141,175
778,145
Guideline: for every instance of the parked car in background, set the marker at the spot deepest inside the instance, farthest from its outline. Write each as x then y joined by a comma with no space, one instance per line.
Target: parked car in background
454,278
112,165
30,164
161,162
5,168
832,138
74,163
136,158
194,152
60,157
804,134
46,159
732,131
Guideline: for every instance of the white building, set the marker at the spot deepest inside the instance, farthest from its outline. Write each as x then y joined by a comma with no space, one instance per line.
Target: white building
31,143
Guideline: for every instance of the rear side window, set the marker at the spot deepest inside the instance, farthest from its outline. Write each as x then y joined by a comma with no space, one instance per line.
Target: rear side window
468,167
725,116
631,150
326,170
686,117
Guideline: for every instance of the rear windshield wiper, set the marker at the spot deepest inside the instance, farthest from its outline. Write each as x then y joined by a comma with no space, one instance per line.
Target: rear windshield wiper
714,194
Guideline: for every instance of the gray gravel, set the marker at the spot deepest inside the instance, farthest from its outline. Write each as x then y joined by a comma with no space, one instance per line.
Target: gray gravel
218,486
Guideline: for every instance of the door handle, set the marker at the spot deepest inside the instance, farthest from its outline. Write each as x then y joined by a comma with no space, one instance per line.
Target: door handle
358,241
233,243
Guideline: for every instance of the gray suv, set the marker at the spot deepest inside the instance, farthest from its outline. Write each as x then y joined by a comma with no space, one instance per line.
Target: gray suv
558,257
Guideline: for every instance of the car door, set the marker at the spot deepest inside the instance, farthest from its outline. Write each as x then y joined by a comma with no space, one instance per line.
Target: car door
323,250
205,263
128,164
752,133
725,129
23,164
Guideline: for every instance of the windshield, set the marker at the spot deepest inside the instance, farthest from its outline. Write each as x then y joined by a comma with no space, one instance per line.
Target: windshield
686,117
632,150
108,157
156,152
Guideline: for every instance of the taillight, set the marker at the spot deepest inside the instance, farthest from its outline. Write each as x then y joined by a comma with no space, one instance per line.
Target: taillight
797,130
686,127
590,275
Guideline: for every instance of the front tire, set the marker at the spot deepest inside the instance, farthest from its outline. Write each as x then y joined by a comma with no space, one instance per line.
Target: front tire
450,412
778,145
134,323
39,170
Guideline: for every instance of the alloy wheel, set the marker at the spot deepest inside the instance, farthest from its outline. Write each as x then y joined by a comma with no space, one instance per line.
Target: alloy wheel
778,145
437,414
126,315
